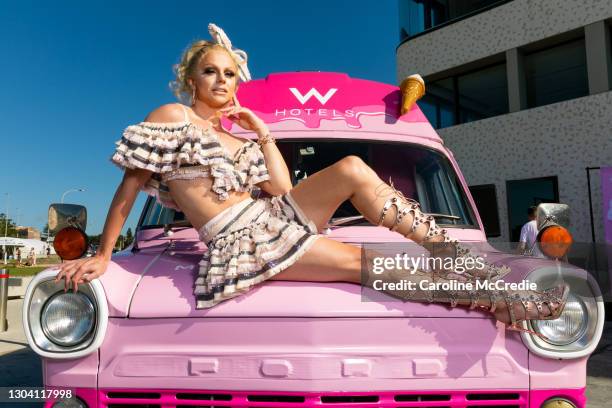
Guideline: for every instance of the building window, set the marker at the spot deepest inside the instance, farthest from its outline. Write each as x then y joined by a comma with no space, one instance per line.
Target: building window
609,41
438,104
522,194
485,198
417,16
483,93
556,74
467,97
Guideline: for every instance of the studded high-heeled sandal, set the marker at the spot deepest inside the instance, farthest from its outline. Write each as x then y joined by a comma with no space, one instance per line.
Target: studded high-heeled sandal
554,298
457,289
415,279
532,302
447,247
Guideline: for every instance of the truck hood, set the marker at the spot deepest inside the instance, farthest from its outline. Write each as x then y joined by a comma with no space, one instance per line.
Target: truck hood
157,281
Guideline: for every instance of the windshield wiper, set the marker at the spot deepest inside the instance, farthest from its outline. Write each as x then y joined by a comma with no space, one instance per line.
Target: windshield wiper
177,224
452,217
336,222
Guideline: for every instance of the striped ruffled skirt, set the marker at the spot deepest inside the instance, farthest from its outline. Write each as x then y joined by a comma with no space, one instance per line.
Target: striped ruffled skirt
248,243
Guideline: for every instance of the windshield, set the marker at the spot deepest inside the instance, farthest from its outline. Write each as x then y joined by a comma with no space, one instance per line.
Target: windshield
418,172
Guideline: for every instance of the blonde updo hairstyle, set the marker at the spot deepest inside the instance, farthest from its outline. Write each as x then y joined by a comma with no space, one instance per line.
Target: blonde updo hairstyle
186,68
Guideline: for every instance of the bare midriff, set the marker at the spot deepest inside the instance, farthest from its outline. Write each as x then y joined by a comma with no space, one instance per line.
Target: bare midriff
198,202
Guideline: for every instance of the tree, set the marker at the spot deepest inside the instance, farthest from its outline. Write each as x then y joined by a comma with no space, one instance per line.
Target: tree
45,232
129,237
9,225
120,242
94,239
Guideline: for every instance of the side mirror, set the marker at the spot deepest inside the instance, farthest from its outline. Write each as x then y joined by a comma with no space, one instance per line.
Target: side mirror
553,221
68,222
66,215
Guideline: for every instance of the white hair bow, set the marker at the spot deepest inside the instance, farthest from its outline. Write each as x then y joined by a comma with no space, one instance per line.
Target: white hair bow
219,37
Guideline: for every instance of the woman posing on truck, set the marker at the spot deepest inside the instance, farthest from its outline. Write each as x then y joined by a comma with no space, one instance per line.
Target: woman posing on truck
184,157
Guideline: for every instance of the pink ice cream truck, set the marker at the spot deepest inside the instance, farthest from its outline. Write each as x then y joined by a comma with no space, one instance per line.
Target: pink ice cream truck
134,338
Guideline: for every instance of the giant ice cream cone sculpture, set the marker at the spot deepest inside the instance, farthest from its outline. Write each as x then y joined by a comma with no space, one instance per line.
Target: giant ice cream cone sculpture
413,88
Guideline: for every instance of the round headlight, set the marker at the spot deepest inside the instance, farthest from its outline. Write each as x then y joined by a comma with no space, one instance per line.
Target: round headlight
70,403
68,318
569,327
558,403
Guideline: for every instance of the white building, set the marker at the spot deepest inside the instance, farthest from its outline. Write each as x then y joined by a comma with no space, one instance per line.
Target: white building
521,93
25,245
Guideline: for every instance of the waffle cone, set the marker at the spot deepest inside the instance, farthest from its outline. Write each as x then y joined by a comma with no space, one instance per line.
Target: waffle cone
413,88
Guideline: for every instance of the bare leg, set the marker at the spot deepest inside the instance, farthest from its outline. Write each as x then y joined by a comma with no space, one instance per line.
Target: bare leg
332,260
350,178
328,260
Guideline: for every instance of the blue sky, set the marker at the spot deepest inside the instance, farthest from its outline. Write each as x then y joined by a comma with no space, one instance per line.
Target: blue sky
75,74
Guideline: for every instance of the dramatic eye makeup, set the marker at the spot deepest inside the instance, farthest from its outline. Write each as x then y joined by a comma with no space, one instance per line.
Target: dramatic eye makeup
211,70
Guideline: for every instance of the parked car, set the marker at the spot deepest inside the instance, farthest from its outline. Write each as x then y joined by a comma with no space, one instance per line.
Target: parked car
133,337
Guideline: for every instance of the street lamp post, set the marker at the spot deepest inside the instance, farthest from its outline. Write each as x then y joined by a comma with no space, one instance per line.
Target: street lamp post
5,227
70,191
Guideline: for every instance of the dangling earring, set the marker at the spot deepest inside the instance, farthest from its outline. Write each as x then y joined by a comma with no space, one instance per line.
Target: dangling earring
193,97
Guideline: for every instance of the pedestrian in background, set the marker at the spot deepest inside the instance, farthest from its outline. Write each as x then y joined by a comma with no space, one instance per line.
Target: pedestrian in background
32,257
528,244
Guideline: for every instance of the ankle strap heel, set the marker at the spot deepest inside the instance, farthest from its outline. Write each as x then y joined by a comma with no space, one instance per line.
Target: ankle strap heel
532,302
404,206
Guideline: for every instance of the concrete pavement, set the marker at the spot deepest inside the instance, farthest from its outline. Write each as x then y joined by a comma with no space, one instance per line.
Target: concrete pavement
17,285
14,338
19,365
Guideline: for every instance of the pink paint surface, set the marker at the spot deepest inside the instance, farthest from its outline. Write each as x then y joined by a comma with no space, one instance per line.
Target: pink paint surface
312,354
122,276
166,290
78,372
311,97
547,373
170,398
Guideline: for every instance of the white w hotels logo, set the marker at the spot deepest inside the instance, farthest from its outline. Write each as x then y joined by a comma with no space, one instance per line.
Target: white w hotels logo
313,92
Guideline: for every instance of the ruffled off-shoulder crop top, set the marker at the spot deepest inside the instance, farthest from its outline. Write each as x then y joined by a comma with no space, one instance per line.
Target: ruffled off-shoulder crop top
184,150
